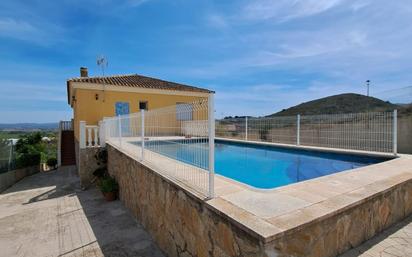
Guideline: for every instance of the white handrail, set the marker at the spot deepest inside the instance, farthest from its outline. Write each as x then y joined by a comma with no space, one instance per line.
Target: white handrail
89,135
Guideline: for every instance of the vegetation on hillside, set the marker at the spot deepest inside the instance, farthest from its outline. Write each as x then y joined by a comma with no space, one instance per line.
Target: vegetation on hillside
343,103
31,149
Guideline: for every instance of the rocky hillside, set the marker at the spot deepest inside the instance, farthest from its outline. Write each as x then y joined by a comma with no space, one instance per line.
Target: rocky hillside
343,103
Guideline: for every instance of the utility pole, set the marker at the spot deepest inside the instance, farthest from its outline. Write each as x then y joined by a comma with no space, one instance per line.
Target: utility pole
367,87
367,100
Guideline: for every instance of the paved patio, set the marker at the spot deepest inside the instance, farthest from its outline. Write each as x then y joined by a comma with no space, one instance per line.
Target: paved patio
48,215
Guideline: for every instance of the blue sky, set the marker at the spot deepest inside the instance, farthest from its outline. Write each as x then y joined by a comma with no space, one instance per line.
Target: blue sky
259,56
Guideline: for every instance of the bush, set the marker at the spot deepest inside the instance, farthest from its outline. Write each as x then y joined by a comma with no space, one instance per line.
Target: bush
52,162
101,156
28,159
100,172
108,184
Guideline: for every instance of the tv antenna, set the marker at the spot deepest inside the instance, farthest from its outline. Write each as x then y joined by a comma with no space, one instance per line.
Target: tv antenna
102,63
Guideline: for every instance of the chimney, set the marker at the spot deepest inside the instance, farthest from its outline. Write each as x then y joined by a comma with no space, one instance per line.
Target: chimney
83,72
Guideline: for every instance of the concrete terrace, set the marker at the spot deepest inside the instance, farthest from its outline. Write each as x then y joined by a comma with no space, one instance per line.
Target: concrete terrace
48,215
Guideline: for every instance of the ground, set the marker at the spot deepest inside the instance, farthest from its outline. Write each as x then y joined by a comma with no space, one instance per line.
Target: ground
394,242
48,215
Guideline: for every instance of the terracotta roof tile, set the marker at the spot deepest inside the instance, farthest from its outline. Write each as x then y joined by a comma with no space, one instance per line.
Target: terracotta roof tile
139,81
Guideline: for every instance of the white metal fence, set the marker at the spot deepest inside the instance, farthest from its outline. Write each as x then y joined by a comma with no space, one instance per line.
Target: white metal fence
7,155
372,131
176,141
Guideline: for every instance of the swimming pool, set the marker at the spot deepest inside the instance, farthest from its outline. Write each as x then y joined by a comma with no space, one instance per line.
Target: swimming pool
262,166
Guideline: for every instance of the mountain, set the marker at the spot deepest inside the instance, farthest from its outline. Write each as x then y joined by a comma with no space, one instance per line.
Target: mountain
28,126
343,103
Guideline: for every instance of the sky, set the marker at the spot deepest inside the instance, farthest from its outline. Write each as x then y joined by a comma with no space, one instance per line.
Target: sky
259,56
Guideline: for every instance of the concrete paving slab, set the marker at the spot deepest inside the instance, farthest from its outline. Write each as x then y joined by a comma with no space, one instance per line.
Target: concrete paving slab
48,215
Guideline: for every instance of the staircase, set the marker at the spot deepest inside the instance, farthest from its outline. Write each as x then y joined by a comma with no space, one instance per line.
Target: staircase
67,149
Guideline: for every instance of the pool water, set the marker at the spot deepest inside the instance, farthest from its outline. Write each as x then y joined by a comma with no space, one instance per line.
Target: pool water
262,166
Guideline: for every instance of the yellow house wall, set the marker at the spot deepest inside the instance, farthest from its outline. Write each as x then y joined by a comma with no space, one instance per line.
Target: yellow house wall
87,108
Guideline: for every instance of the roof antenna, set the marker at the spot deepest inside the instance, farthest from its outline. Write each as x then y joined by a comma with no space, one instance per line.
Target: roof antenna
102,63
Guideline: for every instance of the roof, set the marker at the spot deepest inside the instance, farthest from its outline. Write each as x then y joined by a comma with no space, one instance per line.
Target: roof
138,81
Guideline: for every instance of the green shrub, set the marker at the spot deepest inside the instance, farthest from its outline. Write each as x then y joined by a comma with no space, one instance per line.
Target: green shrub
28,159
30,150
108,184
52,162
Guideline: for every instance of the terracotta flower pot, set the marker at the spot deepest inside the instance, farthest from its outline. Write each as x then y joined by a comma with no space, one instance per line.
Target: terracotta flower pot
110,196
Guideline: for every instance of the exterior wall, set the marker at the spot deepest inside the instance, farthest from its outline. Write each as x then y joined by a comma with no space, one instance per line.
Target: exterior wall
88,109
180,223
10,178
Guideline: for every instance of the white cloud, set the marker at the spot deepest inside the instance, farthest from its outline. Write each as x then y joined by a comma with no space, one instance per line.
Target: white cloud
217,21
16,28
284,10
136,3
20,91
42,33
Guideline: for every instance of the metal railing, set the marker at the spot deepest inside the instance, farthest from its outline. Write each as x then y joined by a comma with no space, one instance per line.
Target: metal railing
176,141
372,131
65,125
7,155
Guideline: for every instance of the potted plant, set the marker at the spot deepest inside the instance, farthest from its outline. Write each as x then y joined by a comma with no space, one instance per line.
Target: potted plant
51,163
109,188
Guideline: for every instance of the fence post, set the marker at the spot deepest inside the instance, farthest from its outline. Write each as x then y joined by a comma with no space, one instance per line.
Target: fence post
211,133
298,130
10,154
82,134
59,146
246,130
120,131
102,133
395,132
142,134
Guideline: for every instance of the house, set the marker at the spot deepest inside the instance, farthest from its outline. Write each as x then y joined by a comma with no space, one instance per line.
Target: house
93,98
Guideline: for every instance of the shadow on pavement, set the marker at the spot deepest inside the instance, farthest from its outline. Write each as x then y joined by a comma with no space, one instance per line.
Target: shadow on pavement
82,222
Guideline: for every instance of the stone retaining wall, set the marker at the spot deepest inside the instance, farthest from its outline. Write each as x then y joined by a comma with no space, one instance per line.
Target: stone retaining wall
338,232
183,224
10,178
180,223
86,165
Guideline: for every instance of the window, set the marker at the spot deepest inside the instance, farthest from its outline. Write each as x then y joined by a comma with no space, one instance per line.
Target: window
121,108
143,105
184,111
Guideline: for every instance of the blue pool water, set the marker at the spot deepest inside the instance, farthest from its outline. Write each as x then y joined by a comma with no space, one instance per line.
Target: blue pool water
263,166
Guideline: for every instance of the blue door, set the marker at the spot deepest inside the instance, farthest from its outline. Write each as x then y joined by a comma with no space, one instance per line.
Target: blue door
122,108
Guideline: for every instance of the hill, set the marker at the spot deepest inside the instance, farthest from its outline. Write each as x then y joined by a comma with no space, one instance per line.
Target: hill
343,103
28,126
